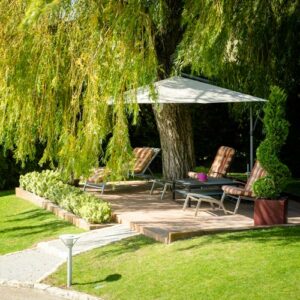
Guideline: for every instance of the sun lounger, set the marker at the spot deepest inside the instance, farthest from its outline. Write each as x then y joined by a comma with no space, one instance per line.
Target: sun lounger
245,192
144,157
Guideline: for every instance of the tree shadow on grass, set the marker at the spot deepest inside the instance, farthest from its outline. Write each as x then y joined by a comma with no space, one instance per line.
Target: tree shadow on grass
128,245
278,236
109,278
37,214
29,230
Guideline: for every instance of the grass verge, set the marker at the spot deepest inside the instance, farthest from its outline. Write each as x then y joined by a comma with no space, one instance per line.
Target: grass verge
262,264
23,224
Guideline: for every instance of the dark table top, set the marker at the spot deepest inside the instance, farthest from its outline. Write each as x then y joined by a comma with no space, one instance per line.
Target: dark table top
212,181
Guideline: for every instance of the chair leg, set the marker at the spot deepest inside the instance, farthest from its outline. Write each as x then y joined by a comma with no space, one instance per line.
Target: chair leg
164,191
198,206
186,201
84,186
223,197
222,203
102,188
152,187
223,207
237,205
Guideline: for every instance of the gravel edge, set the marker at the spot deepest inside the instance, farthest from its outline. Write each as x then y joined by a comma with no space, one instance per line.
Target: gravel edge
55,291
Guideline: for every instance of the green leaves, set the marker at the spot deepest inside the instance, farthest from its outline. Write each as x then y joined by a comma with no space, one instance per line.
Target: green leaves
276,128
49,184
245,46
64,62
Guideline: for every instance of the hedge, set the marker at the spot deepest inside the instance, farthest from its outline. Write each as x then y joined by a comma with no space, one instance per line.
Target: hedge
49,184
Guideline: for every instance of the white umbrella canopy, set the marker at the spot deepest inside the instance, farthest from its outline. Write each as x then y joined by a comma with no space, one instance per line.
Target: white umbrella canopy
179,90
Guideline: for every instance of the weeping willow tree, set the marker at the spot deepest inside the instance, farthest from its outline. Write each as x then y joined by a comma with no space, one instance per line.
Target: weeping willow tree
64,62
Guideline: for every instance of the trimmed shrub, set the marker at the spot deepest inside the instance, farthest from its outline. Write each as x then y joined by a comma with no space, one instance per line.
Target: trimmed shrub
49,184
277,128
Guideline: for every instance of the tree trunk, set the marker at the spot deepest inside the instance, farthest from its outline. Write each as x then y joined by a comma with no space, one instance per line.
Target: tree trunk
176,138
173,120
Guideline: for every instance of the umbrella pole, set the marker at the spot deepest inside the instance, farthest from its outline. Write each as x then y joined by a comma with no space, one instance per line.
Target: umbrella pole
251,137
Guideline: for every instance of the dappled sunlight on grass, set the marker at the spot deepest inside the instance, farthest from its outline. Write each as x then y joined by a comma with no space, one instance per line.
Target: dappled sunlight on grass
23,224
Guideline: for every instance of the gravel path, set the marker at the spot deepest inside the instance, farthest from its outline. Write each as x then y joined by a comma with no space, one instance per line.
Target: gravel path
34,265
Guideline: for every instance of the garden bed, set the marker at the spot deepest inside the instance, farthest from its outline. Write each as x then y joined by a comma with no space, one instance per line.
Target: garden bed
58,211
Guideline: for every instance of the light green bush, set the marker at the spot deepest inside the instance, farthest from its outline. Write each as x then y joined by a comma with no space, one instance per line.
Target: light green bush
89,212
49,184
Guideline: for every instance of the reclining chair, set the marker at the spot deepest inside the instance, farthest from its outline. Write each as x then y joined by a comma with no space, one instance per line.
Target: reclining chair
143,158
245,192
219,168
234,192
221,163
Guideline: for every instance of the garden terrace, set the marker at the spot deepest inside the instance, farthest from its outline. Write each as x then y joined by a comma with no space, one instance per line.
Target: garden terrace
165,221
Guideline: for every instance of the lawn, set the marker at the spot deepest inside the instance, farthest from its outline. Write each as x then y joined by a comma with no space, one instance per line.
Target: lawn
23,224
260,264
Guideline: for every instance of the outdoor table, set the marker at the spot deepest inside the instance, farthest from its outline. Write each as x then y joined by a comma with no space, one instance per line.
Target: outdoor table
189,184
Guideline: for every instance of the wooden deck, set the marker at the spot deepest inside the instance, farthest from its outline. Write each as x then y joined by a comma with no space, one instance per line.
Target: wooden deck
165,221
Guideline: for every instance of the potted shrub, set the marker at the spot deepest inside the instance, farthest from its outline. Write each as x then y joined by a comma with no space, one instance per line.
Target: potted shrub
270,207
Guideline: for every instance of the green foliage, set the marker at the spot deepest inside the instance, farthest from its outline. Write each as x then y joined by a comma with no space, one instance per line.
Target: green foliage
93,212
247,45
8,173
201,169
49,184
276,128
10,170
61,63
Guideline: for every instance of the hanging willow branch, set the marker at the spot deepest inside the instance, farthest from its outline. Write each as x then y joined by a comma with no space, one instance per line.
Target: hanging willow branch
62,62
246,45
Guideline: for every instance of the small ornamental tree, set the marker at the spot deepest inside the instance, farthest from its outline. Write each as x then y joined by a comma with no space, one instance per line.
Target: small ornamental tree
276,128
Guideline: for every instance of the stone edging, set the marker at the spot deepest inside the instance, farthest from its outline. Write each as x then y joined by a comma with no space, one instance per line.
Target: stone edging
58,211
54,291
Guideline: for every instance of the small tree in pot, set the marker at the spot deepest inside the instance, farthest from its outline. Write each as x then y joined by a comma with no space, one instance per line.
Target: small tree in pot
270,208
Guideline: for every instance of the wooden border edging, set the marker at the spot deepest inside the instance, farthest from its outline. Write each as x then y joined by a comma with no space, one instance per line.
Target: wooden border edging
58,211
175,236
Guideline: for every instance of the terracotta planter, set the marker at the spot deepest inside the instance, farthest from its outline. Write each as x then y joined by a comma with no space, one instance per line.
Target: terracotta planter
270,212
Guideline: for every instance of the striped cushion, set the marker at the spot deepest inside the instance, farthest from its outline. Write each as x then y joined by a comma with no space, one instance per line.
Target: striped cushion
222,162
256,173
143,157
236,191
98,175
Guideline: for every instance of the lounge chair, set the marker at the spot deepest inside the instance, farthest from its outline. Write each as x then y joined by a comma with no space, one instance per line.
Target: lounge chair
144,156
221,163
208,196
234,192
218,169
245,192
